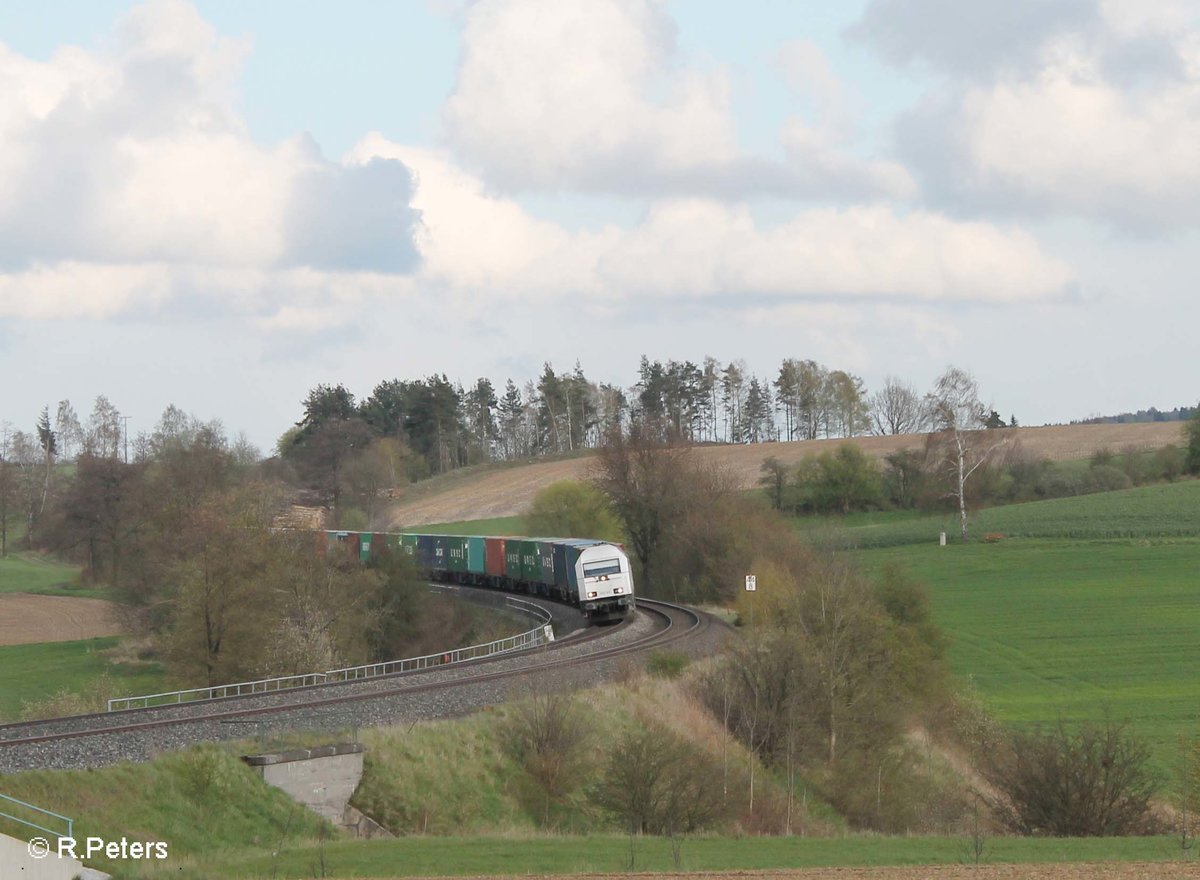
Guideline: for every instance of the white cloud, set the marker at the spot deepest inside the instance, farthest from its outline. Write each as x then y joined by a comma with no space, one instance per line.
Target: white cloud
126,170
486,247
1095,112
1076,143
591,95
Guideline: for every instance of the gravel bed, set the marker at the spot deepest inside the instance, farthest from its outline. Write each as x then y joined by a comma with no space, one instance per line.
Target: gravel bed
566,621
103,748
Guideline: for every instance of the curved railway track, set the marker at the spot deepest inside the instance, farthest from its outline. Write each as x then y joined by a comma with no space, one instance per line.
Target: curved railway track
102,738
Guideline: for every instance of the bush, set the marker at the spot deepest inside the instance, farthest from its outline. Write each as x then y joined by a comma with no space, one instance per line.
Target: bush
1104,478
1093,783
667,664
568,509
658,783
840,482
550,737
1191,433
1169,462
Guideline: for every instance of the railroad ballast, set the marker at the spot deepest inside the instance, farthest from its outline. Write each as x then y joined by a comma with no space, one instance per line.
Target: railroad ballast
592,575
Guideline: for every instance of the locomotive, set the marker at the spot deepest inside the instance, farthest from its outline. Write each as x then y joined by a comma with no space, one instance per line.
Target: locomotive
592,575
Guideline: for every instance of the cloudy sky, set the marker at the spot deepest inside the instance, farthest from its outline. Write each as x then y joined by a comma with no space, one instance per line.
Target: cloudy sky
220,204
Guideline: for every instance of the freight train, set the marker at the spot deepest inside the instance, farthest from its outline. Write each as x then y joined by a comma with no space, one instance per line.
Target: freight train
591,575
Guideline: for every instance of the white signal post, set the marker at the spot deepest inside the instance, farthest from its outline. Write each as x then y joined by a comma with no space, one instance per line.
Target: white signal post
751,587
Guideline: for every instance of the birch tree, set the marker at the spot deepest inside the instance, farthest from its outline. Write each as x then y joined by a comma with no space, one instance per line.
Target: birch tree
960,416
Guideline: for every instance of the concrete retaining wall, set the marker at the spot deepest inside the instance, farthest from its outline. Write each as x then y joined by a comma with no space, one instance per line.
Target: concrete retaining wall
322,779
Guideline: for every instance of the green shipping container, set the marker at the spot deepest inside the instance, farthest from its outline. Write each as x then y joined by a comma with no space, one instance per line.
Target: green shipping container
545,571
531,567
456,553
513,568
476,555
408,543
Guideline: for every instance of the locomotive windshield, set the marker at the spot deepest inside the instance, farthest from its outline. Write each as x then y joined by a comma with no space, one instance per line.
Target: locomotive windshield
603,567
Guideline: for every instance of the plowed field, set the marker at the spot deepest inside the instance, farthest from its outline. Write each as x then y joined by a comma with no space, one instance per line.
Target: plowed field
507,491
26,619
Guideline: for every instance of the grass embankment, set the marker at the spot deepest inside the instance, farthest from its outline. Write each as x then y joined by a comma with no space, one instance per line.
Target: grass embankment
457,778
1164,510
204,802
32,573
93,669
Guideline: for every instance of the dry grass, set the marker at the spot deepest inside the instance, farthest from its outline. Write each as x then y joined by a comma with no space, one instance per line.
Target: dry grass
507,491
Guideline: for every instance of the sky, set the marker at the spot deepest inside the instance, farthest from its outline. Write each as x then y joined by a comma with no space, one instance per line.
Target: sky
221,204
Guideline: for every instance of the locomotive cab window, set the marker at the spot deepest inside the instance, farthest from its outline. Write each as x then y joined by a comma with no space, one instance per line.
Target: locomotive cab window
601,568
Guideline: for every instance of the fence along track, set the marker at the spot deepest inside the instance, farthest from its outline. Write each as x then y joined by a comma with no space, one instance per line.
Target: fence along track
540,635
690,622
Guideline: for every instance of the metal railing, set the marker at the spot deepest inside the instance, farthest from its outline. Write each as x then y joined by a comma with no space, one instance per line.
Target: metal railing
6,801
539,635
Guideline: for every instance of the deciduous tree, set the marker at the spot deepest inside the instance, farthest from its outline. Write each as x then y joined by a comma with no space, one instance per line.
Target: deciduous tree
958,413
897,408
570,509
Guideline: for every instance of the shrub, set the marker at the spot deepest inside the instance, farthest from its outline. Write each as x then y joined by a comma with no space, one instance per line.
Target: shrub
550,737
658,783
1169,462
1092,783
1104,478
667,664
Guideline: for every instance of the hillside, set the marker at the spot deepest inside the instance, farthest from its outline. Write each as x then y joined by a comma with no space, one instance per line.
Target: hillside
507,490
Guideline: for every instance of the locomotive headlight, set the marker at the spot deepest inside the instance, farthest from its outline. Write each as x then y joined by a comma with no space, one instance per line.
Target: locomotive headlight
617,590
592,594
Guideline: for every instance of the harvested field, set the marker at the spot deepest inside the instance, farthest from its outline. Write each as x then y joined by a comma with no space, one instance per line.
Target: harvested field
26,619
507,491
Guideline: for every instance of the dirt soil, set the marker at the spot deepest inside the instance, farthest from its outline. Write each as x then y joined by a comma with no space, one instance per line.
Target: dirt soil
507,491
26,619
1080,871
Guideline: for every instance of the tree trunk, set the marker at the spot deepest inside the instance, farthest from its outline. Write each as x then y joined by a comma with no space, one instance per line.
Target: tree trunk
962,498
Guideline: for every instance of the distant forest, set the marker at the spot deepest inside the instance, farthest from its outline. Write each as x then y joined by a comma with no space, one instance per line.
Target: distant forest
1179,414
422,427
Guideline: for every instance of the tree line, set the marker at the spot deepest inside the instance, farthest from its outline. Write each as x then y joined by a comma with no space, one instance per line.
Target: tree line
407,430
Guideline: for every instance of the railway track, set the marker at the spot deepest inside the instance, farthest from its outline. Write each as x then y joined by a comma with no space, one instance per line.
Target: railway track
134,734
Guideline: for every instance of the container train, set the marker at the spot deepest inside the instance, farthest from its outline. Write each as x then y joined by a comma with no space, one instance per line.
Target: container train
591,575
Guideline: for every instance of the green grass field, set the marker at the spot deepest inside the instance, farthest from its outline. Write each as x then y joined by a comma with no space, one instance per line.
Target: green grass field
1164,510
1078,629
457,856
31,573
32,673
502,525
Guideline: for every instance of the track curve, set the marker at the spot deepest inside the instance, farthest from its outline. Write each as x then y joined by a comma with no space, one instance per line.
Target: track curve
136,734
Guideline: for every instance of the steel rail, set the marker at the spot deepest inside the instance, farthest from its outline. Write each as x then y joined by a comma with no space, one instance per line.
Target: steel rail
668,634
532,638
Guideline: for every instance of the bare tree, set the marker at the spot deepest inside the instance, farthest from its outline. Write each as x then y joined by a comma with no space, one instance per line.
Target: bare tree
550,735
957,412
646,480
1093,782
68,431
897,408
